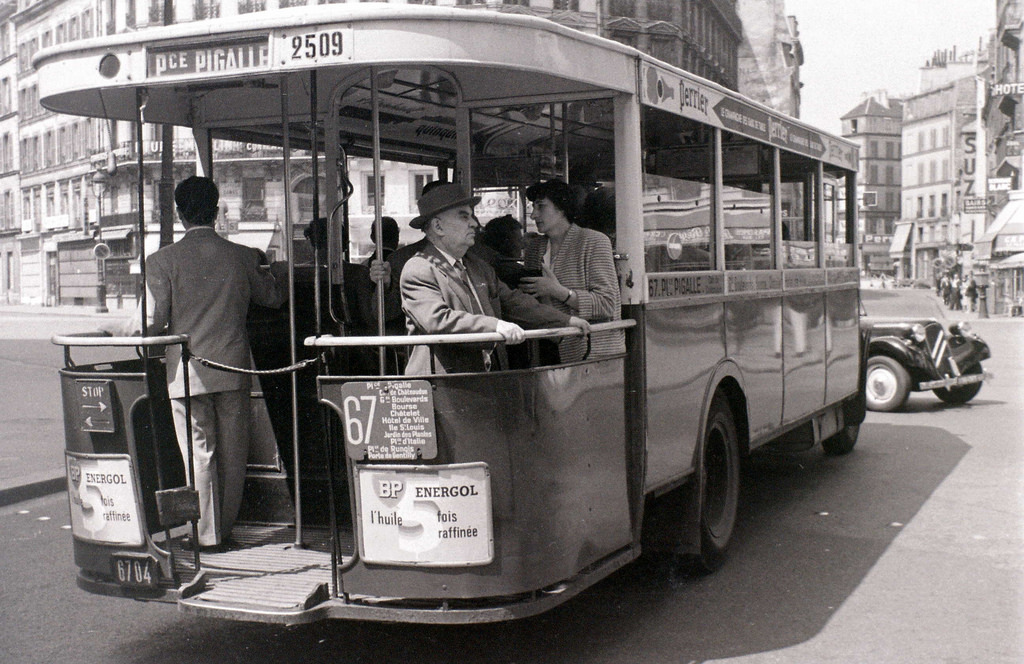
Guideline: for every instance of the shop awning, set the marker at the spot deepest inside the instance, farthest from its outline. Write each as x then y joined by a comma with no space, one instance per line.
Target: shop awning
900,237
1010,263
1006,234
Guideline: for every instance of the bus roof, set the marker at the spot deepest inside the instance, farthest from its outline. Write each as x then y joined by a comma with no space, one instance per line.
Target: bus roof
242,53
227,73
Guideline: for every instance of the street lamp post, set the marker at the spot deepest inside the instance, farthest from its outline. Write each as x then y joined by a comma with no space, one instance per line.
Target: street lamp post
101,250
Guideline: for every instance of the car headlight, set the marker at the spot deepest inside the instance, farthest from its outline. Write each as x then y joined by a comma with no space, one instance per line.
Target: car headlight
961,329
917,331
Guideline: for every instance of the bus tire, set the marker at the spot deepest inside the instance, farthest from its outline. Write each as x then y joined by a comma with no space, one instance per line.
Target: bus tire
718,485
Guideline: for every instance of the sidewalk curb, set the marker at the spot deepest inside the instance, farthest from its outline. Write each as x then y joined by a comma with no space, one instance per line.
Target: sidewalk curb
38,489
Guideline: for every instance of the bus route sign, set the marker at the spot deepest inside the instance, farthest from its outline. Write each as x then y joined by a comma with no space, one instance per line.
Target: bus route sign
389,420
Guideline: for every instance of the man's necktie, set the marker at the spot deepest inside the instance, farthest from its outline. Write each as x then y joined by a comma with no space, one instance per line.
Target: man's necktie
476,306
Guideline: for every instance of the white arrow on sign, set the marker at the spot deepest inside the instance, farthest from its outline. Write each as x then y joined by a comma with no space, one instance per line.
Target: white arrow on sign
102,406
88,421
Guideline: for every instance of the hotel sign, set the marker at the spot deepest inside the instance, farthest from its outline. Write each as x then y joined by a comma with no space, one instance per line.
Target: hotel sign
1000,89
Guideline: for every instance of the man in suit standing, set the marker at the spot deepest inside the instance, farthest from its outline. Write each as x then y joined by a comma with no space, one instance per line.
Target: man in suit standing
202,286
446,291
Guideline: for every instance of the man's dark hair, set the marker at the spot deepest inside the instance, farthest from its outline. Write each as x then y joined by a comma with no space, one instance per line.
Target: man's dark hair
390,230
503,234
196,199
560,194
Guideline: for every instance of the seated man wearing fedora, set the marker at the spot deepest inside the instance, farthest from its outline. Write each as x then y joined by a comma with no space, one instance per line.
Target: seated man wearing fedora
446,291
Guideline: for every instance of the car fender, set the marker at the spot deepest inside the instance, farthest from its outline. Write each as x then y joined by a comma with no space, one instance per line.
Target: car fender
894,348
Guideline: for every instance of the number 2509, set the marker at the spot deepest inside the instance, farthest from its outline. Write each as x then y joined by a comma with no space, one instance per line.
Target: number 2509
316,45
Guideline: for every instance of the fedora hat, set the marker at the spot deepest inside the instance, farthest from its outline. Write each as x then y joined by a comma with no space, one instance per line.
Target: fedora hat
440,198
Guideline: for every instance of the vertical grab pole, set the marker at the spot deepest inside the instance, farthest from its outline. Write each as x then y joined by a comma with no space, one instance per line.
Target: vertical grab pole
313,145
141,99
377,223
288,223
186,354
313,148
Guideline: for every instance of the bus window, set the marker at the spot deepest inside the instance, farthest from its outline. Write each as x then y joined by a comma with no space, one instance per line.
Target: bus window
799,237
747,203
838,251
515,146
678,190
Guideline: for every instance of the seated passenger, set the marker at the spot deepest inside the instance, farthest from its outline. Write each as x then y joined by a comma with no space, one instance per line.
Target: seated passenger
446,291
578,269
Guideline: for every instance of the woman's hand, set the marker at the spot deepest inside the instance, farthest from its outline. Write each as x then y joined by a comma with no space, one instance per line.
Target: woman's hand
546,285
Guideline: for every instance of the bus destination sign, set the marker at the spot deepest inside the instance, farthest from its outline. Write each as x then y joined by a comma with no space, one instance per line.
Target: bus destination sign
436,516
246,55
389,420
689,98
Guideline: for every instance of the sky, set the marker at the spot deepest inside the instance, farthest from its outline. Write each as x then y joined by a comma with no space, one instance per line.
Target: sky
857,46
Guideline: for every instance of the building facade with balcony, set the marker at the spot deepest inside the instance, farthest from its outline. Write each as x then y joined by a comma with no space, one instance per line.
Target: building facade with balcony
1000,250
876,125
53,158
10,220
939,137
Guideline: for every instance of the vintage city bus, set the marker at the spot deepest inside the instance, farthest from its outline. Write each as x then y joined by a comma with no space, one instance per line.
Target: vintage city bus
468,497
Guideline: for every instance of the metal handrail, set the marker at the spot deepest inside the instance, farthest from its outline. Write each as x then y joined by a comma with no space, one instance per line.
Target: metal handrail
104,339
330,341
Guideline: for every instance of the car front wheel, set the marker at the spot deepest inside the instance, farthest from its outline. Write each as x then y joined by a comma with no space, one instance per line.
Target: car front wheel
962,393
888,384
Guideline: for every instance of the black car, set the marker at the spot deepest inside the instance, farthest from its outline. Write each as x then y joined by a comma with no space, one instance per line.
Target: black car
918,355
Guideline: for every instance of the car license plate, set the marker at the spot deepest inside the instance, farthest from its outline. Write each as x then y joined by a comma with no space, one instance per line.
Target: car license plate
955,382
136,571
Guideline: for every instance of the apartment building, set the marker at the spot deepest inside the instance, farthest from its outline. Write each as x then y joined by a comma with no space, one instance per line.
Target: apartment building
876,125
939,137
10,220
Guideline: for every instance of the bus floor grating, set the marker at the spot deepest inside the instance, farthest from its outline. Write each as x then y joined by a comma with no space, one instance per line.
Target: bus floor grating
263,560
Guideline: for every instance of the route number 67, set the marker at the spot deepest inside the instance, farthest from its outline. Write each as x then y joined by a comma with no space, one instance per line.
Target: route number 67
359,412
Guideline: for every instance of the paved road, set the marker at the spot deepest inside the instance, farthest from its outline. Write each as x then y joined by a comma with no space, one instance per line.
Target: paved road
32,431
907,550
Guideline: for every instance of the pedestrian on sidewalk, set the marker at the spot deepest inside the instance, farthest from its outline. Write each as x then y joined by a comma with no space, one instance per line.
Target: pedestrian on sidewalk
972,292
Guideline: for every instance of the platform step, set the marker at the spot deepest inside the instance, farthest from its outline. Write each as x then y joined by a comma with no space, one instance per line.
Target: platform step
298,590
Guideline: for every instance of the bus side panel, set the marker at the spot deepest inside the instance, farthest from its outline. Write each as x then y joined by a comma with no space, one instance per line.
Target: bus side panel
803,354
554,440
843,344
684,345
754,341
